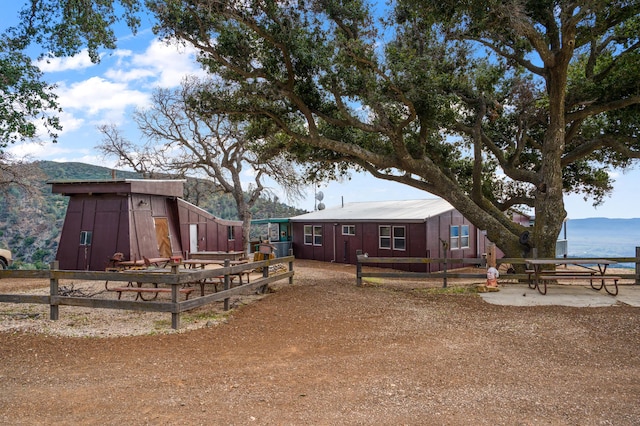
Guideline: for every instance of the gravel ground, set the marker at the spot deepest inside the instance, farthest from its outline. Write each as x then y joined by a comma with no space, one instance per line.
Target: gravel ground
325,352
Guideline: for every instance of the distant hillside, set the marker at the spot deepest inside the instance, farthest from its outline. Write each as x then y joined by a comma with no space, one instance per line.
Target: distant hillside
30,226
602,237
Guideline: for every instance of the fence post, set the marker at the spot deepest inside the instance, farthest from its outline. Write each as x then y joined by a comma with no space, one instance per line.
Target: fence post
227,281
53,292
291,267
358,269
445,249
175,316
637,265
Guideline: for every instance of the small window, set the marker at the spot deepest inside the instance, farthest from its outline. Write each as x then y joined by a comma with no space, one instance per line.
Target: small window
85,238
399,240
308,234
459,237
317,235
348,230
230,233
464,236
454,238
384,236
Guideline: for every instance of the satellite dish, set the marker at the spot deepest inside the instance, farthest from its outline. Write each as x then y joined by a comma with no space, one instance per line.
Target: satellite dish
319,196
320,206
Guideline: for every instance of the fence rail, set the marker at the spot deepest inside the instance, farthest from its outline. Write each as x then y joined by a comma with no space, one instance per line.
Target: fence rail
176,278
445,274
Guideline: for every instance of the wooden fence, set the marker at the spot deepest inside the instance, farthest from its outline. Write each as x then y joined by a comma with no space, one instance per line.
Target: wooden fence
176,278
445,274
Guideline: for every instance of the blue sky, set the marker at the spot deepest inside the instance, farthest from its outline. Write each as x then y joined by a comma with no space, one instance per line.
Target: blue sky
108,92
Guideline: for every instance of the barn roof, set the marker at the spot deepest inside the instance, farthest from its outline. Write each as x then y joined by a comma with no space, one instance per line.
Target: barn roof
406,211
166,187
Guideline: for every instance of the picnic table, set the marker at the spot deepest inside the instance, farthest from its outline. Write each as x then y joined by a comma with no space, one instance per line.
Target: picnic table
140,290
203,263
592,269
216,255
160,262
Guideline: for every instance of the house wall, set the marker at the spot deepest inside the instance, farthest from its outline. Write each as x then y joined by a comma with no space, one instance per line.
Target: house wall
423,239
149,224
212,232
106,217
144,240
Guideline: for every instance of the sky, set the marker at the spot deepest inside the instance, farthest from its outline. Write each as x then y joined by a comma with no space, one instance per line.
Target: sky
108,92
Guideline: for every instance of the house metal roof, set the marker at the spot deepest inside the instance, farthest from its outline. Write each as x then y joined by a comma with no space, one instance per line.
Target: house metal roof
405,211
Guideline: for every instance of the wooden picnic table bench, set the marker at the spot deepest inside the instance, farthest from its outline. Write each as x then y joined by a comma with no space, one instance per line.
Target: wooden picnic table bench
141,290
219,280
538,277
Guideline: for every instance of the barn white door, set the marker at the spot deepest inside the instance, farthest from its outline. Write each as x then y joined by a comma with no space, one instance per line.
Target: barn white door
193,238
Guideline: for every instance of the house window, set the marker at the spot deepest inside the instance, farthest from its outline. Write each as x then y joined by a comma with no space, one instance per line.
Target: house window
348,230
464,236
317,235
308,234
459,237
384,237
399,240
85,238
230,233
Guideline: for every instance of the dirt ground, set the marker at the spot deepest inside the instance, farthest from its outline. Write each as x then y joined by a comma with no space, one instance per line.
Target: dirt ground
325,352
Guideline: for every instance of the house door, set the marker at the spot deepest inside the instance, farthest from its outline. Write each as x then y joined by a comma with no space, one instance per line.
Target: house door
162,235
193,238
346,258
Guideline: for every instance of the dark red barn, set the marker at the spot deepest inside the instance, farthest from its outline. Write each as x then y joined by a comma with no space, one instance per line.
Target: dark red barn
137,217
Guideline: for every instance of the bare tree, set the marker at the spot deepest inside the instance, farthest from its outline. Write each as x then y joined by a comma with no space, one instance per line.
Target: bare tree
185,142
20,174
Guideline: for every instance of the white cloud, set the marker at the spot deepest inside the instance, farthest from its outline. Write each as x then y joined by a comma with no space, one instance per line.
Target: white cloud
97,95
77,62
127,76
170,62
39,150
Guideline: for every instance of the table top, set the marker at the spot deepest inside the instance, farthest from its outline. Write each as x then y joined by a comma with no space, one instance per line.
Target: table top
216,252
200,262
570,261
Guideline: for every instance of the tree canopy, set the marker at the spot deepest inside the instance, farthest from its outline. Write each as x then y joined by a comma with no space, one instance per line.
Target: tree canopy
55,28
491,105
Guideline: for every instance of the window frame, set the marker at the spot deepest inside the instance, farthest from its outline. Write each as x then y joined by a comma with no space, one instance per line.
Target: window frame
350,230
317,236
397,239
386,238
308,235
462,238
86,237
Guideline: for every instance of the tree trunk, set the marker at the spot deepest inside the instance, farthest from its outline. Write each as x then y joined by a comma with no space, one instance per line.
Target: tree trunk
549,202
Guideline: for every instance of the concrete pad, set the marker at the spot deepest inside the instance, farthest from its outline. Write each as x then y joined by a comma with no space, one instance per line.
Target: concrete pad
562,295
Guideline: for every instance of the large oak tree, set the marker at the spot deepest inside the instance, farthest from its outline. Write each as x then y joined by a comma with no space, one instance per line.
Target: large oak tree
491,105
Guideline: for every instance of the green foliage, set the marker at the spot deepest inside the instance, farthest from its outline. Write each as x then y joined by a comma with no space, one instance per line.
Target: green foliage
490,105
25,97
59,28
